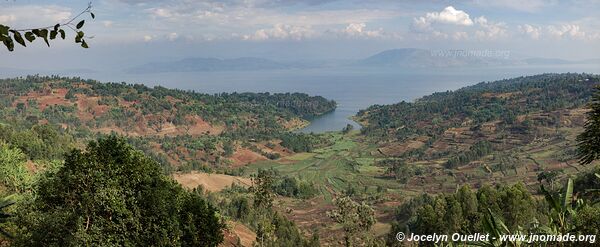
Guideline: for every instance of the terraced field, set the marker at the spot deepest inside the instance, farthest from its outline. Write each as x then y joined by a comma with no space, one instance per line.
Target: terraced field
332,169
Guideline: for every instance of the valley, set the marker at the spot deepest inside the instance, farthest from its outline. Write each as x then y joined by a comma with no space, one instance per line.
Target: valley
491,134
308,123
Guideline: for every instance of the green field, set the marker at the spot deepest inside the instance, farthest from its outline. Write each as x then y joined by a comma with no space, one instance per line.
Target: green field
347,162
332,169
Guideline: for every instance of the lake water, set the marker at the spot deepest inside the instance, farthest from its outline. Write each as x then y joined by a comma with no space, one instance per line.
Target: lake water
352,89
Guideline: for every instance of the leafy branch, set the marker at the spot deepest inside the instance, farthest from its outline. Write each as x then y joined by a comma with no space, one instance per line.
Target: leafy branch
4,216
9,36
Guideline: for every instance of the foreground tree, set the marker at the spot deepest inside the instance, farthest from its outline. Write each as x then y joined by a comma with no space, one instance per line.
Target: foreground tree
4,216
14,176
262,190
112,195
355,218
588,142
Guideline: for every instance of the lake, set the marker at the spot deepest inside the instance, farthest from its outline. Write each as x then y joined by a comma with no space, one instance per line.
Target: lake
353,89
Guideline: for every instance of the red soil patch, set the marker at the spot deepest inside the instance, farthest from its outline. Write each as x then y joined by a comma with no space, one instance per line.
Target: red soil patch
88,107
46,98
293,124
210,182
247,236
397,149
238,235
243,156
201,127
275,149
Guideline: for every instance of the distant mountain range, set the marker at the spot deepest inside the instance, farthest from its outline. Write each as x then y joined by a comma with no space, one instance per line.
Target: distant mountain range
400,58
421,58
411,57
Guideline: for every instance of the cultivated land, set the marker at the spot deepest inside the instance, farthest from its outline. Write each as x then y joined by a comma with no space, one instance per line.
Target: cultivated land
351,163
498,133
208,181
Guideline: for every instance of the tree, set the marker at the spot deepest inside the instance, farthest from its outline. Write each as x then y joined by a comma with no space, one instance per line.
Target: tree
549,177
263,188
8,35
4,216
347,129
588,142
111,194
561,209
14,176
355,218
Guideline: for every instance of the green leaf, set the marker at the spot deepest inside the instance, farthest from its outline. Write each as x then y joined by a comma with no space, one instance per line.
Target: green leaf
79,37
5,203
53,34
597,175
93,16
80,24
56,27
18,37
550,199
10,45
29,36
42,33
4,30
62,33
568,195
84,44
5,233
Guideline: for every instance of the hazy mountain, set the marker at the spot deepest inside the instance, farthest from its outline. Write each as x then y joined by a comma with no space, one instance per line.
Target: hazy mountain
546,61
209,64
420,58
556,61
411,57
401,58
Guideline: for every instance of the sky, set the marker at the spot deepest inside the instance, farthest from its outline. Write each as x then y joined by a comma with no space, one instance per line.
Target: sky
126,33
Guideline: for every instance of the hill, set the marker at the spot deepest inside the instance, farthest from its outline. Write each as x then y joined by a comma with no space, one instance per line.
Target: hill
173,126
498,115
502,138
420,58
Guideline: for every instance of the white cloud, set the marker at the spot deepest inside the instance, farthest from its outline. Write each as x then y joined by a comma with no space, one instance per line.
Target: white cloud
251,14
459,26
359,30
7,18
28,16
566,31
448,15
107,23
282,32
489,30
532,31
172,36
161,12
520,5
148,38
460,36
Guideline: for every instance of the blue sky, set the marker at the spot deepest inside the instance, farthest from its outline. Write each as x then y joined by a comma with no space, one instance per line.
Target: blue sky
129,32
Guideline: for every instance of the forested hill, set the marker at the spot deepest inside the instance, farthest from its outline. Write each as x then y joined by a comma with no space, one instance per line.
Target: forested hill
499,112
124,102
174,125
